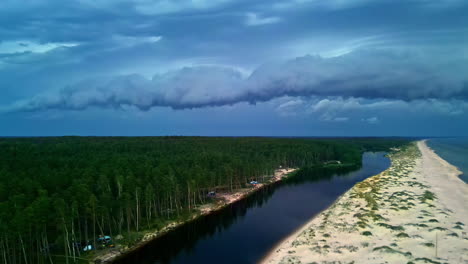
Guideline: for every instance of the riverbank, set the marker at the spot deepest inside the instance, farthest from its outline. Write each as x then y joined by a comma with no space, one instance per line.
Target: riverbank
222,200
414,212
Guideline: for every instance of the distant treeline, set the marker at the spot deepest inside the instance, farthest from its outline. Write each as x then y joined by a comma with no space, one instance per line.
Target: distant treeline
59,194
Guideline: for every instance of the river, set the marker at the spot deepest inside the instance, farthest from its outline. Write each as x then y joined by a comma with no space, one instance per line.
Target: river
244,232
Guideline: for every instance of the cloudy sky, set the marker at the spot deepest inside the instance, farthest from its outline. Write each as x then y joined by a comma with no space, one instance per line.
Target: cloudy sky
234,67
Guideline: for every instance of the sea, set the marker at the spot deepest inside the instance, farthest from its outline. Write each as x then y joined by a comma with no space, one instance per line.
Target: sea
454,151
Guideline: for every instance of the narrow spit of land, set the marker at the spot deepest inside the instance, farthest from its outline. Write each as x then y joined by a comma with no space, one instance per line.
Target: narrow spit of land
414,212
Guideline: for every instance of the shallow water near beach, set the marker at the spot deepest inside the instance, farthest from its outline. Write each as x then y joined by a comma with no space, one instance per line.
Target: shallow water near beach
244,232
454,151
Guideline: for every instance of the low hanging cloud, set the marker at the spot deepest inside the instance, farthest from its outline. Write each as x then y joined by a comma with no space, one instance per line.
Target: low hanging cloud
371,120
252,19
366,74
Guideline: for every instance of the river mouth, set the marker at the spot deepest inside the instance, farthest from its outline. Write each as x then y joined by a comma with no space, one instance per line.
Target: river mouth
245,231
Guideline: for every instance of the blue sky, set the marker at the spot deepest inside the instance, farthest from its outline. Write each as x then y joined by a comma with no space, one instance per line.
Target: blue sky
234,67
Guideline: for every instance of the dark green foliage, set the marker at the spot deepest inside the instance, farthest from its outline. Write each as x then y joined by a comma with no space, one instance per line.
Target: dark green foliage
56,191
366,233
391,227
387,249
402,235
438,229
427,260
427,196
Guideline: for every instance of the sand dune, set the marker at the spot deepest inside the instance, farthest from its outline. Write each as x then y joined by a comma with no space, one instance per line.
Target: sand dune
414,212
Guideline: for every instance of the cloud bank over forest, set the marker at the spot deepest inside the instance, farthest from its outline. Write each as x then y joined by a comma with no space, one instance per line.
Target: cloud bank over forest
250,67
374,74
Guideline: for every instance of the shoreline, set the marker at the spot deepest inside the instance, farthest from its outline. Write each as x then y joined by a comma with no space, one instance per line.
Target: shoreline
461,173
454,168
226,198
413,212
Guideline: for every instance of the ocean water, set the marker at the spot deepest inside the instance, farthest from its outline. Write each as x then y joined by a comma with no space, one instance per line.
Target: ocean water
454,151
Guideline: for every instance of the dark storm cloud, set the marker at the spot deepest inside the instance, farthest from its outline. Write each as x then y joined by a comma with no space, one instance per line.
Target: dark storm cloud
73,55
375,74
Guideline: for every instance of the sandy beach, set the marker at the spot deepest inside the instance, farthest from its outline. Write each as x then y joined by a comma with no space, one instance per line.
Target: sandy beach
414,212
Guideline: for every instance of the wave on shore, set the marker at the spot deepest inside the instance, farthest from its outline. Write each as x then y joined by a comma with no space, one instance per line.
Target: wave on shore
454,151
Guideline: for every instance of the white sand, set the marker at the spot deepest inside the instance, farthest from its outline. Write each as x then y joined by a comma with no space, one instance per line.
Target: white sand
392,217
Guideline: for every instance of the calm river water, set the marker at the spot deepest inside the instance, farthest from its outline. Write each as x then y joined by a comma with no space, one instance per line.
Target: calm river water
245,231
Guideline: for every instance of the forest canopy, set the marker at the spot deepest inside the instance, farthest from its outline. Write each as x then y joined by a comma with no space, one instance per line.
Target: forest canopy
57,194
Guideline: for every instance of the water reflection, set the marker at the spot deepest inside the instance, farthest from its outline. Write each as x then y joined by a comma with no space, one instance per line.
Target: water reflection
243,232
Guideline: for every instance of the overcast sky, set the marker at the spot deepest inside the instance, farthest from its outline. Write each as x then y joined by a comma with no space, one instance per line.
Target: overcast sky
234,67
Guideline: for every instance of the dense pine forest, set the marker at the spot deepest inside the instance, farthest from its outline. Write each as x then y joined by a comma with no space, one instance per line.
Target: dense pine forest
59,194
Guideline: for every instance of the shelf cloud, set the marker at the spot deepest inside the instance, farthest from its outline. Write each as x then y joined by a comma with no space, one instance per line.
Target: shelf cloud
99,66
370,74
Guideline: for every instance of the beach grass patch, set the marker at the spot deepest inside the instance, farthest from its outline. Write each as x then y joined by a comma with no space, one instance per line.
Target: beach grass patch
350,248
389,250
366,233
427,195
391,227
375,217
438,229
361,224
429,244
433,220
402,235
290,259
427,260
453,234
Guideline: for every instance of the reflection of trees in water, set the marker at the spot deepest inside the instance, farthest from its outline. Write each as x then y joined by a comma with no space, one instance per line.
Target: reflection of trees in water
311,174
185,237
